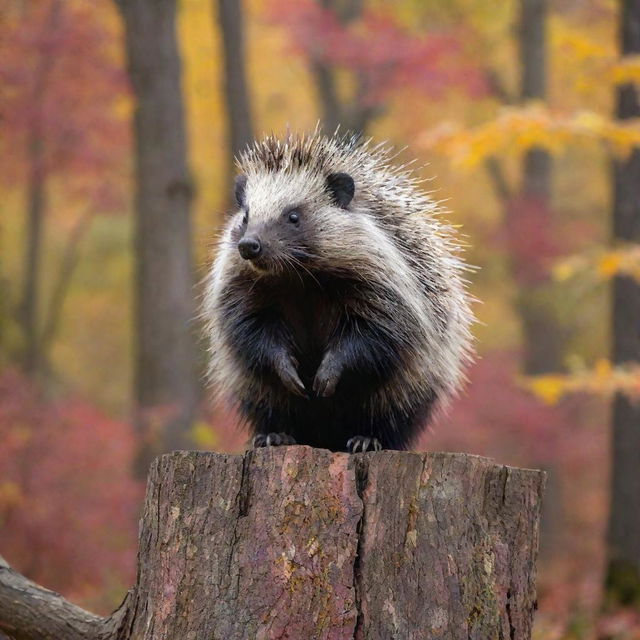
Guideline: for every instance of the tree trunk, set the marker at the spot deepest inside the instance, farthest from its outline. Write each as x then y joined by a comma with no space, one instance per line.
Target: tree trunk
623,580
296,542
239,122
352,114
36,202
536,178
166,390
543,336
331,109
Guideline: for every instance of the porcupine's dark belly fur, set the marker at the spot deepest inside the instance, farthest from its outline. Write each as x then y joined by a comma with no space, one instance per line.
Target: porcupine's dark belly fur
330,422
310,313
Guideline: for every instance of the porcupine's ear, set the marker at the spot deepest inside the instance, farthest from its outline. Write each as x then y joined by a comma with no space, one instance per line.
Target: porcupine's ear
341,187
239,188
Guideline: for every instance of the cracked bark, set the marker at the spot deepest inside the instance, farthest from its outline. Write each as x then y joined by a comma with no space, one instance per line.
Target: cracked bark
295,542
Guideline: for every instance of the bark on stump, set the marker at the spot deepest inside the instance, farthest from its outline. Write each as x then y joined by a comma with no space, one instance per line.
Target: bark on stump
301,543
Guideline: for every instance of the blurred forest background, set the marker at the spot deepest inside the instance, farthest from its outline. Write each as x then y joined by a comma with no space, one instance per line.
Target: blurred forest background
119,120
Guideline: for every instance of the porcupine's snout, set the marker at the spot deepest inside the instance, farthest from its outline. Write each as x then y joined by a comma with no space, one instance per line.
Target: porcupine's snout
249,248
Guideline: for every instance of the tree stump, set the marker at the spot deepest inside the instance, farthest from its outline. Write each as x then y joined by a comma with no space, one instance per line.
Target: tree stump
300,543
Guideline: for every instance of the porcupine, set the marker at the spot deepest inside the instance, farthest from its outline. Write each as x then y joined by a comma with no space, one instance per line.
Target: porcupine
336,307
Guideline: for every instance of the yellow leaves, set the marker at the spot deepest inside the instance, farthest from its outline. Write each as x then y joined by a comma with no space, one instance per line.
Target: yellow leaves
575,43
566,269
603,368
548,388
609,264
626,71
204,436
621,136
517,129
601,265
603,379
589,59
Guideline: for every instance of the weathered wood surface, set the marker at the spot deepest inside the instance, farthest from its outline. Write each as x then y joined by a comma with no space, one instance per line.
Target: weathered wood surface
298,543
303,544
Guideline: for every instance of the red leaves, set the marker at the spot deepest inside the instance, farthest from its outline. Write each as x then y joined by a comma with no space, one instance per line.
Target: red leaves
378,47
530,237
498,417
61,86
68,505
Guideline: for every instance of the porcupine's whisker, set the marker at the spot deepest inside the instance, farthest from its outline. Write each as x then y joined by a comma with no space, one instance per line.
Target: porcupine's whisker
302,253
307,270
298,262
253,286
280,264
291,263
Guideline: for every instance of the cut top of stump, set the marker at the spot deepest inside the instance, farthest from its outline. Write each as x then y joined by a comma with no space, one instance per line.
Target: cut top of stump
301,543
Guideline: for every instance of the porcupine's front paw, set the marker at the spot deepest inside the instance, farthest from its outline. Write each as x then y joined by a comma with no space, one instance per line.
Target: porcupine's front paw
360,444
327,376
272,440
286,367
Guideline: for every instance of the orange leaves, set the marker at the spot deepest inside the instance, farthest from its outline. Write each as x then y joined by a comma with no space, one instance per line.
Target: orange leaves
517,129
549,389
603,380
514,129
601,264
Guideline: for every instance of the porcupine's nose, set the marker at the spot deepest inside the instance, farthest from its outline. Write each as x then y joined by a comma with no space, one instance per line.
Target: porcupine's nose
249,248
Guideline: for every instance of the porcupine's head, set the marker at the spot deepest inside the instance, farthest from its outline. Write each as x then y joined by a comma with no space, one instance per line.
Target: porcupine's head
299,204
282,215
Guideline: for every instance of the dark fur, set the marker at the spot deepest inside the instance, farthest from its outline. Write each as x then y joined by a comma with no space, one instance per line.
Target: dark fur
303,317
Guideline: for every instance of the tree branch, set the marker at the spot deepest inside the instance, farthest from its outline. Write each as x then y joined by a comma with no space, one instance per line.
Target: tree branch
61,287
498,88
500,184
327,93
354,113
31,612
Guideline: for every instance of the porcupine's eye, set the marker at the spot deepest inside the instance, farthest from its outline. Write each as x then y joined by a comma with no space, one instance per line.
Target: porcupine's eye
293,217
245,217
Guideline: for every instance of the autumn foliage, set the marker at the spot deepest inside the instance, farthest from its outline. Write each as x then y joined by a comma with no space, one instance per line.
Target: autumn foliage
374,43
438,77
62,86
68,502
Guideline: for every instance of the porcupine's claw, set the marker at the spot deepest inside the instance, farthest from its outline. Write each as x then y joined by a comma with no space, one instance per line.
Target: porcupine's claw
361,444
327,376
286,367
272,440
